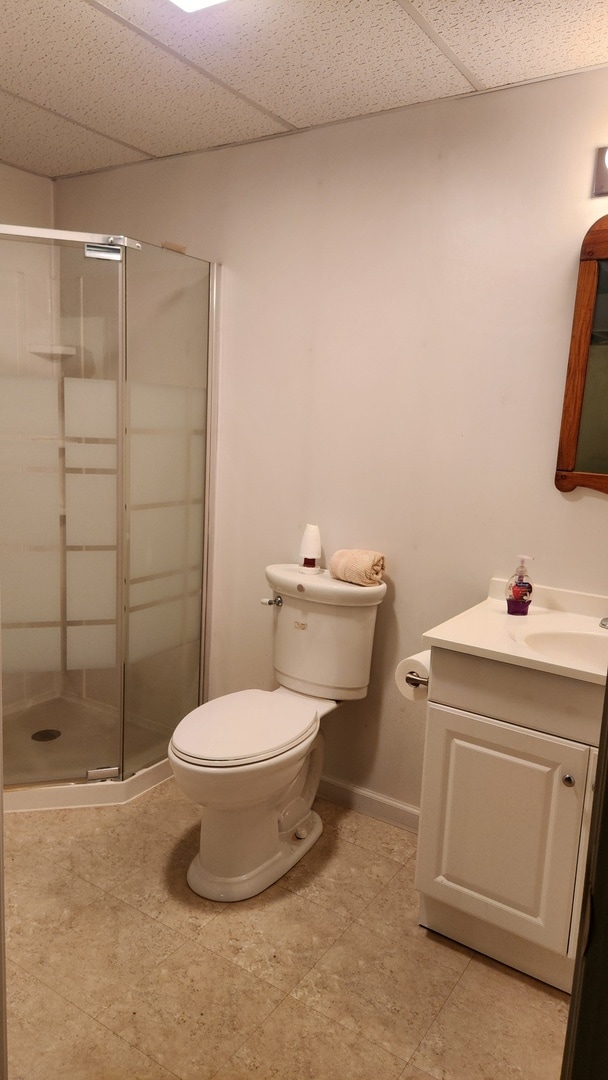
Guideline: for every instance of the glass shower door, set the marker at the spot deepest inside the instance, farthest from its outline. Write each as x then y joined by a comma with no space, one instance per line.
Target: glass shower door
60,346
166,406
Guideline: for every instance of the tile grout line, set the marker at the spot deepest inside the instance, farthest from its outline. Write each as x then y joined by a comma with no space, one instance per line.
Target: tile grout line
439,1011
352,920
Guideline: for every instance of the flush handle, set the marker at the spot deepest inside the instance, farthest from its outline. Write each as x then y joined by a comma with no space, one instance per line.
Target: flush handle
277,601
568,780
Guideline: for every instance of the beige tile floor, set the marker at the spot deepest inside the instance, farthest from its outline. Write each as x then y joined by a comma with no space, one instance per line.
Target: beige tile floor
117,971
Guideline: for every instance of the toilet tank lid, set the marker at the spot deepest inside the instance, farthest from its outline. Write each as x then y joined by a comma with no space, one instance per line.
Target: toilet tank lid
322,587
244,727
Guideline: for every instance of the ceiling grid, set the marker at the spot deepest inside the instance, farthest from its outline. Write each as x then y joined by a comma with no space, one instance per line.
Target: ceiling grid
93,84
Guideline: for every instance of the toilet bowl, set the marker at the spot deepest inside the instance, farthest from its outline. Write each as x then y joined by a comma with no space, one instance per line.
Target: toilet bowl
252,760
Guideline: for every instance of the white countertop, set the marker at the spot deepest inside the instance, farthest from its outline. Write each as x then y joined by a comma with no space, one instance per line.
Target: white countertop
560,634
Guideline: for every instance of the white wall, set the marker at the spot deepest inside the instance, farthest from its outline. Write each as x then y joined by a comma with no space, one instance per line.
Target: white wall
25,199
397,304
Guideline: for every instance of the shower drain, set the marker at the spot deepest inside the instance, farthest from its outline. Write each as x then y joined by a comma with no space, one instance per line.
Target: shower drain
46,735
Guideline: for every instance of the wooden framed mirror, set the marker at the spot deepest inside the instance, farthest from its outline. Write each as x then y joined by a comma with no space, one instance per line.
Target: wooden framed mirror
582,459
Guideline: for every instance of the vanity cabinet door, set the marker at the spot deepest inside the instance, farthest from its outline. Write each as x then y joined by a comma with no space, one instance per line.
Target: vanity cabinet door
500,823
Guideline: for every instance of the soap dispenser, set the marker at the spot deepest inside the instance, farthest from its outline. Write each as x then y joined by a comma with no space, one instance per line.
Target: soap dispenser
519,589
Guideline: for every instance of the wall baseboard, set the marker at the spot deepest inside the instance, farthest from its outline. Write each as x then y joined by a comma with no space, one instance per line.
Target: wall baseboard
112,792
370,802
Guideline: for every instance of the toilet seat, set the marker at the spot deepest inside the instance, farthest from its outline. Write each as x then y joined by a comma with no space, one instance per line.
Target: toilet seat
243,728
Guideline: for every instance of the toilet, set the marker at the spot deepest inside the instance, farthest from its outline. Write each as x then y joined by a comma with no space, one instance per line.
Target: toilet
252,760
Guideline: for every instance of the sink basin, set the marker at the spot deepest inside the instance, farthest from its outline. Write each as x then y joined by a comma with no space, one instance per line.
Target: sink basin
571,647
560,635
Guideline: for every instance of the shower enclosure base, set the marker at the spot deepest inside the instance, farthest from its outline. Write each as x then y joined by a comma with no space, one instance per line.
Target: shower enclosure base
50,742
98,793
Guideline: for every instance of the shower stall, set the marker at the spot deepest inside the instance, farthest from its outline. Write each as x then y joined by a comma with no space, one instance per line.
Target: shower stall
104,360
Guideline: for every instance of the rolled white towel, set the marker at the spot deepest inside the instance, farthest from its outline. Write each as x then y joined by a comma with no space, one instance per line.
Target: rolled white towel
358,566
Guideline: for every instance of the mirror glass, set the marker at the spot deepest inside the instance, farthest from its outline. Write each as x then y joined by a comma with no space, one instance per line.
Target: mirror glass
592,445
583,446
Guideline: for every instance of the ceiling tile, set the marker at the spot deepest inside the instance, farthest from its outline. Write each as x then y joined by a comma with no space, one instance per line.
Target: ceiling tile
35,140
507,41
309,61
87,66
144,79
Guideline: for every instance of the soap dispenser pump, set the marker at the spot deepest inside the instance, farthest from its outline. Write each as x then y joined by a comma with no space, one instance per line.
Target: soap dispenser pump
519,589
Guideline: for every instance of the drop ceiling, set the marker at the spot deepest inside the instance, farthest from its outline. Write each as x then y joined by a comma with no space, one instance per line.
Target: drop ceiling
88,85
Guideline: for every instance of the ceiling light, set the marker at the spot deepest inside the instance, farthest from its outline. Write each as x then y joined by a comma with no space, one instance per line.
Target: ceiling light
196,5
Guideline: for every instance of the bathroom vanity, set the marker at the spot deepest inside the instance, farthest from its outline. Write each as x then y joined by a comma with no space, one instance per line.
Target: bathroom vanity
513,723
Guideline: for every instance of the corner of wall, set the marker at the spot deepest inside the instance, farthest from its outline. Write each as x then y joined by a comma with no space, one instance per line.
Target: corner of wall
26,199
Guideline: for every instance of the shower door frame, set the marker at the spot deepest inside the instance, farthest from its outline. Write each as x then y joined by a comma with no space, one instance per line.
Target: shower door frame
122,242
211,428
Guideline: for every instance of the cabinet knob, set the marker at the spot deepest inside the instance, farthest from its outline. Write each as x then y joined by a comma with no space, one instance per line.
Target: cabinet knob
568,780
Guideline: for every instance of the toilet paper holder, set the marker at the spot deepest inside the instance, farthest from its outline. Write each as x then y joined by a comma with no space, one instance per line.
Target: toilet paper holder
414,679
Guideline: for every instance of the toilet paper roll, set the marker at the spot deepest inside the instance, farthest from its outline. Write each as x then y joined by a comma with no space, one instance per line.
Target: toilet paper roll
419,664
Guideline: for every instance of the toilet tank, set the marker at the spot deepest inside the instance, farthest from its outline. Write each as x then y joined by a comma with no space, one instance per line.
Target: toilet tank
323,632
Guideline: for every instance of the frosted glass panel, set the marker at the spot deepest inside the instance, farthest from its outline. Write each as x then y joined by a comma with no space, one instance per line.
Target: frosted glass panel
167,302
90,510
196,404
163,588
194,580
91,585
157,540
9,308
97,328
192,626
30,509
90,456
31,586
36,649
197,466
25,452
38,296
159,468
158,407
154,630
91,647
195,537
29,407
90,408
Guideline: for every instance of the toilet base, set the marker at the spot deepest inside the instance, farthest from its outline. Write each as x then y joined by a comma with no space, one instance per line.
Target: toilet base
291,848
